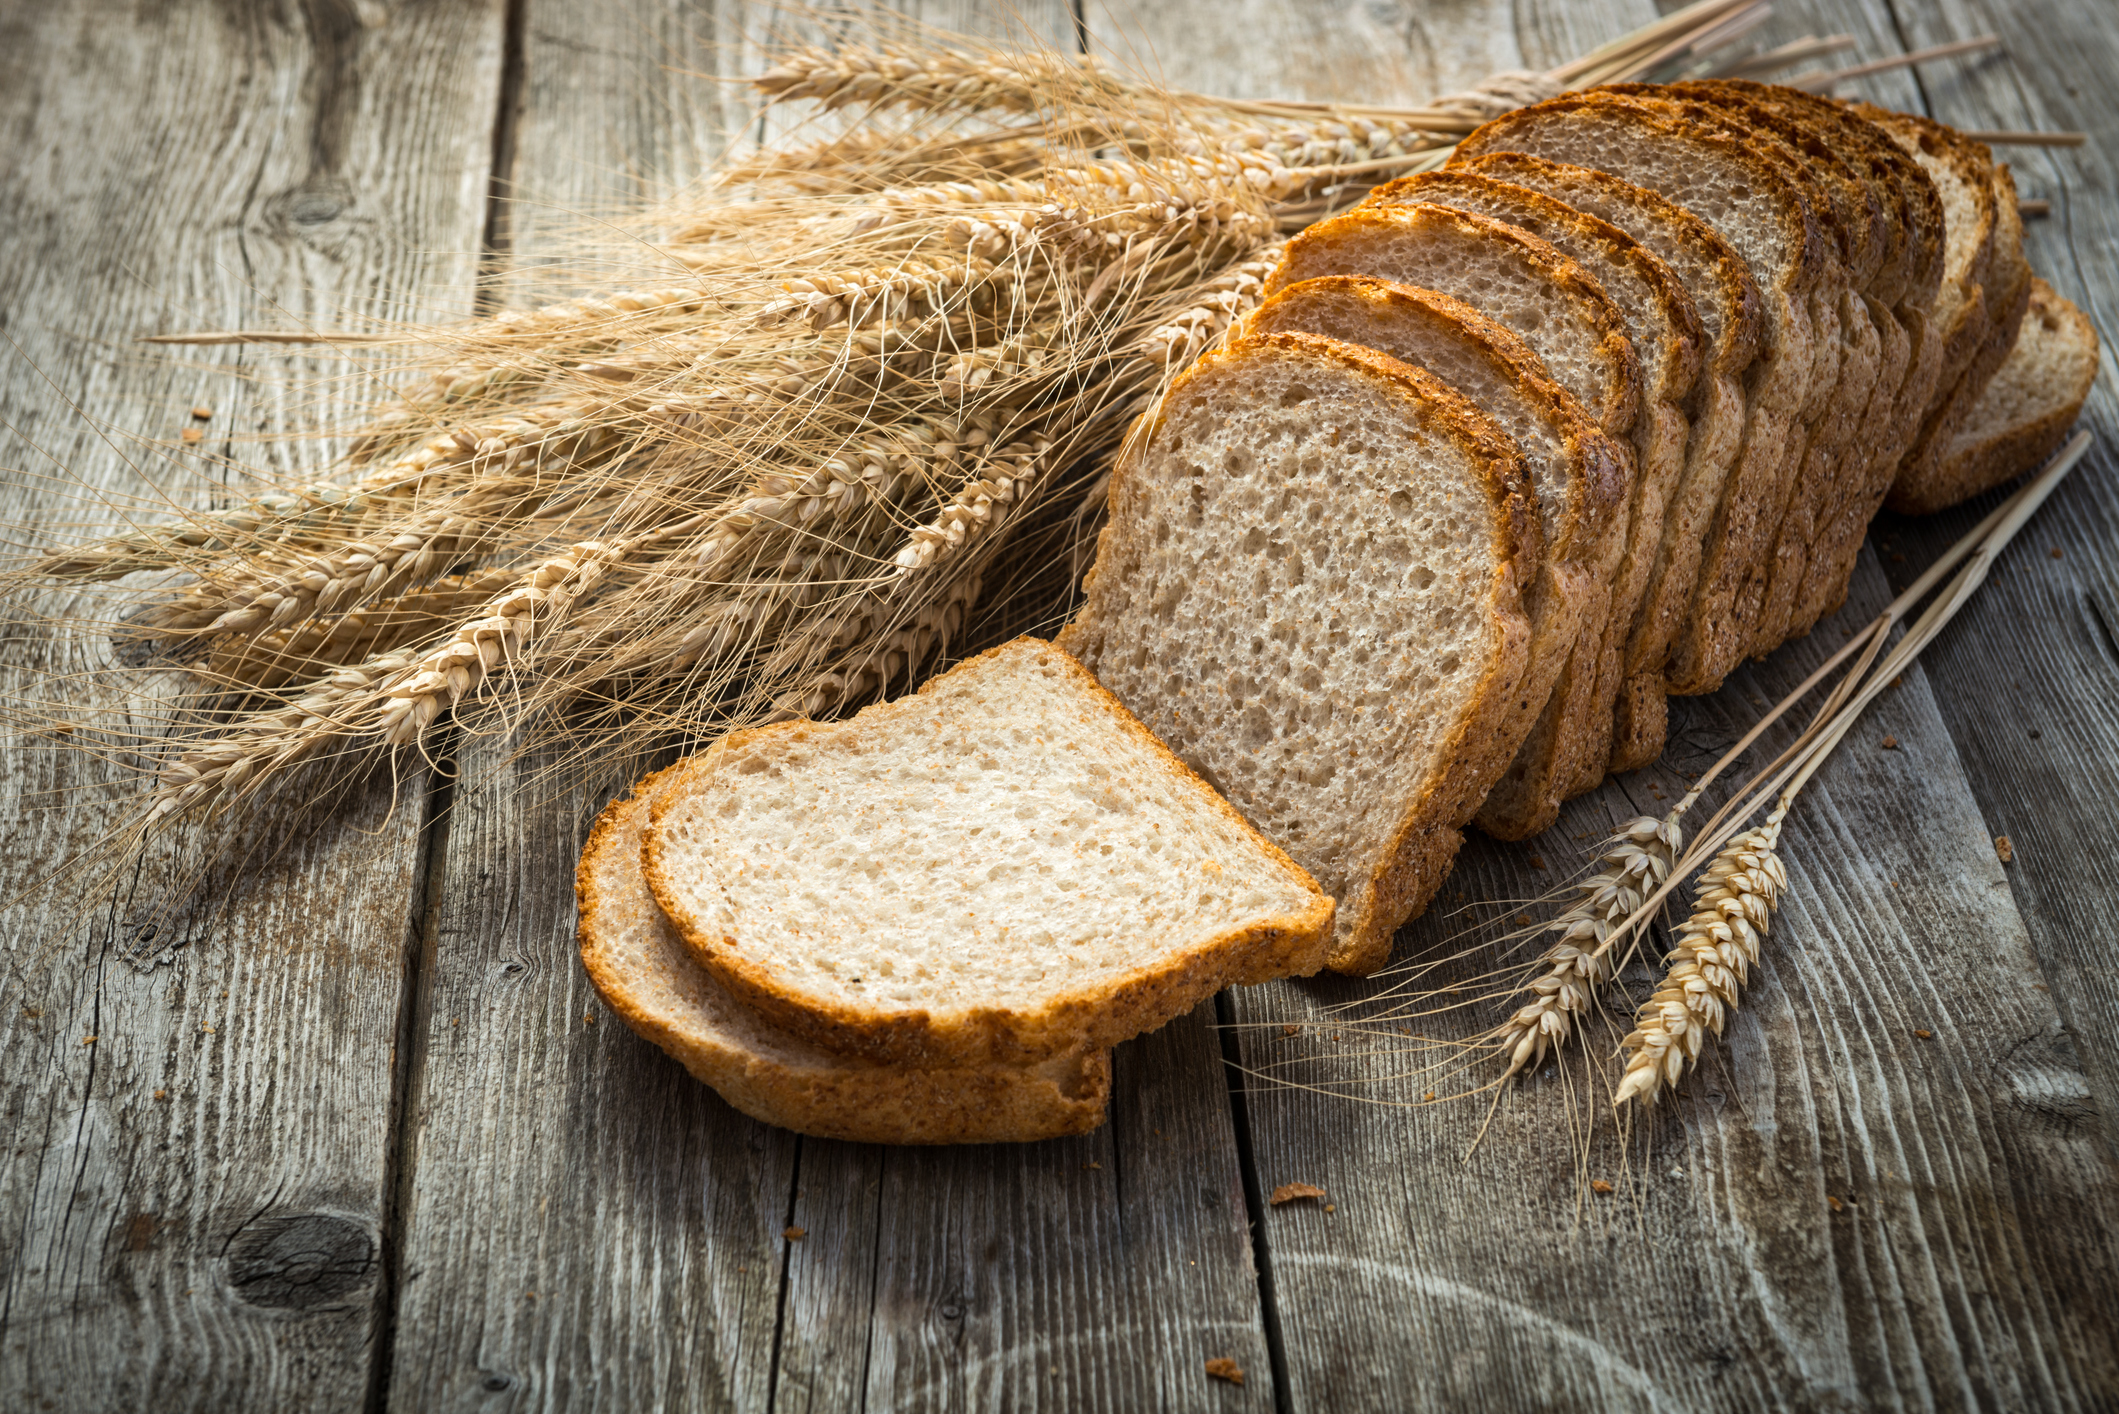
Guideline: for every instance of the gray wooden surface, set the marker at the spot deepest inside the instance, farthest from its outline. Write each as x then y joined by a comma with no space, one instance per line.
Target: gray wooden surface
361,1136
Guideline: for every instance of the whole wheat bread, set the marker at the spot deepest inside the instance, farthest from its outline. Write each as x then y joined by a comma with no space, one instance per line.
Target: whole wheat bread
1310,586
1002,867
1663,324
1526,285
1576,473
642,967
1746,198
1844,341
2026,409
1728,303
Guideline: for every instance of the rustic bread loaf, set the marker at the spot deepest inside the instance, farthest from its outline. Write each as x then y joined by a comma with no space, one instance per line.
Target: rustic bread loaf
1310,586
640,964
1663,324
1576,474
2026,409
1000,868
1763,215
1728,303
1528,286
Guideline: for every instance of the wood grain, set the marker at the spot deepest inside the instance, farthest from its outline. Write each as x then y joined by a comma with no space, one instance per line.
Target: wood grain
195,1197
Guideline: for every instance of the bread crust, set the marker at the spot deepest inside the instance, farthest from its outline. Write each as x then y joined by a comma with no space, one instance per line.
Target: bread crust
785,1082
1119,1008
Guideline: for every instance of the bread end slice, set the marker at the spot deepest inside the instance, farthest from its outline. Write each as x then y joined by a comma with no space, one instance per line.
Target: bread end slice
642,968
2023,413
1002,867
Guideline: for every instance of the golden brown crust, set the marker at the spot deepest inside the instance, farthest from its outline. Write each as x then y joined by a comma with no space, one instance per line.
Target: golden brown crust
1113,1011
780,1081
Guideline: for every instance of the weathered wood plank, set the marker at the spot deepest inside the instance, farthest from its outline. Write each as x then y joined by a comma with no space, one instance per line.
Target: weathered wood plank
2028,678
195,1200
585,1226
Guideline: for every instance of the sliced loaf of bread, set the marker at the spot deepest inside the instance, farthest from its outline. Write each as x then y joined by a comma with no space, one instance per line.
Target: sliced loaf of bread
1526,285
643,969
2026,409
1003,867
1310,586
1844,341
1663,324
1576,472
1763,215
1728,303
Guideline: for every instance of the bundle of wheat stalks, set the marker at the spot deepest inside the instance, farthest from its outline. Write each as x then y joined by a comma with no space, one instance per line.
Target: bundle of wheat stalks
782,478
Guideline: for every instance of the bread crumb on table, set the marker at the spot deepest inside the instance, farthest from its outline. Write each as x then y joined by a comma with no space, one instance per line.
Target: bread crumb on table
795,1234
1224,1368
1890,743
1598,1185
1289,1192
2003,850
1923,1034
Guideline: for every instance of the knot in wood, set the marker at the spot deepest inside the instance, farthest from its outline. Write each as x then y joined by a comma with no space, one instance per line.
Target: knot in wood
300,1261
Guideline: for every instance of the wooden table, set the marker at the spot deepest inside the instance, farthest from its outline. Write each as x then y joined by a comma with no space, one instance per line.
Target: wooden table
359,1135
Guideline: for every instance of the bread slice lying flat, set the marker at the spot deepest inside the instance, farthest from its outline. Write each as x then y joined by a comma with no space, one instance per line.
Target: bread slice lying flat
1002,867
1525,284
643,969
2026,409
1576,472
1728,303
1310,586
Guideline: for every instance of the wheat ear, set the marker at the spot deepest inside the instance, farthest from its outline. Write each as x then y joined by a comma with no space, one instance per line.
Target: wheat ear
1637,859
1731,912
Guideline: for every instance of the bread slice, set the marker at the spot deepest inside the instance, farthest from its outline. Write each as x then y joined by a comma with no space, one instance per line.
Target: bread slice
640,964
1525,284
1875,345
1900,298
1668,339
2026,409
1000,868
1728,303
1310,586
1576,473
1759,210
1963,180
